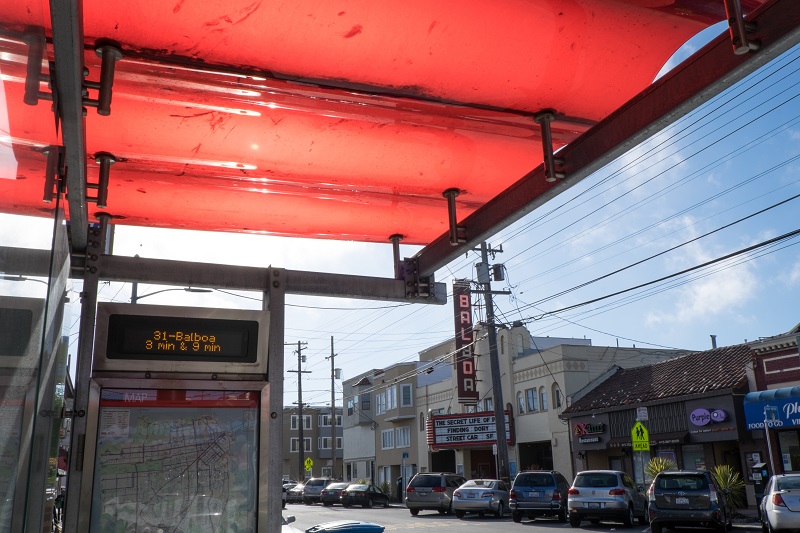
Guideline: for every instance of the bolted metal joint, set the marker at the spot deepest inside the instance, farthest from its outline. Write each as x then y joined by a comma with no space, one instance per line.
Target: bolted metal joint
456,232
105,160
739,28
109,52
544,118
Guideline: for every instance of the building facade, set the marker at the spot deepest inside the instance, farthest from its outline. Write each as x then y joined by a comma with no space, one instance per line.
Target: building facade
689,410
317,447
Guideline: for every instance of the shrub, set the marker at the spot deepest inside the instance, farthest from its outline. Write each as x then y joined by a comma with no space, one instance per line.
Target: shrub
659,464
728,480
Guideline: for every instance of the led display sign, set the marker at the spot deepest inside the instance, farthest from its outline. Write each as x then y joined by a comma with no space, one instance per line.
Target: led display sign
181,338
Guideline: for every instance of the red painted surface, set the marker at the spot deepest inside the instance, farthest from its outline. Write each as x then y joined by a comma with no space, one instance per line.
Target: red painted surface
352,153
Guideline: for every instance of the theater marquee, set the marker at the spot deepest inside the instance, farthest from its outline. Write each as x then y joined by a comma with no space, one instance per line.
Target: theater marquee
463,430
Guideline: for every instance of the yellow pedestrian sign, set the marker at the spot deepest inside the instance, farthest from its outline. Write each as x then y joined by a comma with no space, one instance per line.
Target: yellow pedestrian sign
309,463
640,438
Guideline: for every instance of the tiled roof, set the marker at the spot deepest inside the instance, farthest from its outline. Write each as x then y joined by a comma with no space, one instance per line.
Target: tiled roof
699,372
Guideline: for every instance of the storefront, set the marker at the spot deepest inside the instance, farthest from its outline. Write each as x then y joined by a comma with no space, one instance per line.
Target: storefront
779,410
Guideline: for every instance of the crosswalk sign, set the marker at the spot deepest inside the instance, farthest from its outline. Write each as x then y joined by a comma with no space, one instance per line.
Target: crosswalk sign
640,438
308,464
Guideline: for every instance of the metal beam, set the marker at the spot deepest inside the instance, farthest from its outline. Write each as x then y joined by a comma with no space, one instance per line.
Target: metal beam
705,74
26,262
67,20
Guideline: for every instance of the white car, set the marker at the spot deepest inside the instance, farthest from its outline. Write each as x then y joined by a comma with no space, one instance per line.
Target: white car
780,506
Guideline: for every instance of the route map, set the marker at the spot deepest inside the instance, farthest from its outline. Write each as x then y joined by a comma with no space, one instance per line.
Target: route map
175,462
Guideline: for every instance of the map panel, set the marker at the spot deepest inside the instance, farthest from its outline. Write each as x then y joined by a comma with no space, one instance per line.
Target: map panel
176,461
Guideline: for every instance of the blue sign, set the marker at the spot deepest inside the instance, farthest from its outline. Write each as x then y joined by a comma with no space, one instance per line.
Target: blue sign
779,408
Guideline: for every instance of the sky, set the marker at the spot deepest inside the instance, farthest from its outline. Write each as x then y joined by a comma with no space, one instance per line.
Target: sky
721,180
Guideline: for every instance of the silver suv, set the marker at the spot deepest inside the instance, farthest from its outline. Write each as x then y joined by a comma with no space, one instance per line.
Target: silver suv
313,487
432,491
598,495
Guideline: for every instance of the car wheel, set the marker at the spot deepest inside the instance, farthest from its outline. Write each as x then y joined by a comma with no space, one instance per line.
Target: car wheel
346,505
500,510
574,521
327,504
655,528
460,514
369,503
414,512
481,514
386,503
628,519
516,517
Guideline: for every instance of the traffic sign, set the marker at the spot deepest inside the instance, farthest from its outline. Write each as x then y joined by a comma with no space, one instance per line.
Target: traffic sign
308,464
640,438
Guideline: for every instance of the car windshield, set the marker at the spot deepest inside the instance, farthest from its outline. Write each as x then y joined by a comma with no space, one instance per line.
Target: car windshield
357,487
336,486
596,480
788,483
426,481
681,483
534,480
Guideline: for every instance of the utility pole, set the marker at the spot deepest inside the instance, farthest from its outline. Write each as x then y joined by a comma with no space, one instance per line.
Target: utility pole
334,375
494,362
300,359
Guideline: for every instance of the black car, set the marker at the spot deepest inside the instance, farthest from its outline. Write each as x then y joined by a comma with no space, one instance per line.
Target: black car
365,495
539,493
332,493
687,498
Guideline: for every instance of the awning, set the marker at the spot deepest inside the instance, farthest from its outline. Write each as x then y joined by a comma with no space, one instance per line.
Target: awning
780,407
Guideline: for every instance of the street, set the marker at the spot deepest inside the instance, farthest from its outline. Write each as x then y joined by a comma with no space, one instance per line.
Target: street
397,518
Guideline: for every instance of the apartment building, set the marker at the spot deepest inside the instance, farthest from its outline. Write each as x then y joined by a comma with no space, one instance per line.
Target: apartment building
316,429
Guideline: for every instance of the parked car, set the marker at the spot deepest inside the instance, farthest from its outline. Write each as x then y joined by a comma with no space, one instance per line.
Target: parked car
687,498
780,506
481,496
598,495
432,491
346,526
332,493
313,488
365,495
539,493
295,494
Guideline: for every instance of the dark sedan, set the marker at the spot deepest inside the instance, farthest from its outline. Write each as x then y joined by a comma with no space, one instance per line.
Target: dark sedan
332,493
366,495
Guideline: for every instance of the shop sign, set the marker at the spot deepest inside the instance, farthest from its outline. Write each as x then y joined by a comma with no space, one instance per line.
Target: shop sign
701,417
580,429
588,440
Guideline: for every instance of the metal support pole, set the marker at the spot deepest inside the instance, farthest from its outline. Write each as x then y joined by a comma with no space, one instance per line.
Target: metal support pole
333,414
97,244
396,238
769,444
451,194
274,301
301,448
494,362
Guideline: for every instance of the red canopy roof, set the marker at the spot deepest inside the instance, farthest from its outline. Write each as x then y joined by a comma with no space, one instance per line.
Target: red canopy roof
343,120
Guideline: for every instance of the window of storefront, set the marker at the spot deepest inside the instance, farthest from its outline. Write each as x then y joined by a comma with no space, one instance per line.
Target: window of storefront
693,456
789,444
520,403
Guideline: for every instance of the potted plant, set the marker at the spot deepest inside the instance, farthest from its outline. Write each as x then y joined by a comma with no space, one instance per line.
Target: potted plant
729,481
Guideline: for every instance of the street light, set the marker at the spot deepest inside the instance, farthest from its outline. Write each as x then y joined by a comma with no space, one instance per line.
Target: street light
136,297
5,277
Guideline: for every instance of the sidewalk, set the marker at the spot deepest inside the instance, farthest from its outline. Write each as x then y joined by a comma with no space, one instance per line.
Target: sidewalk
746,518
